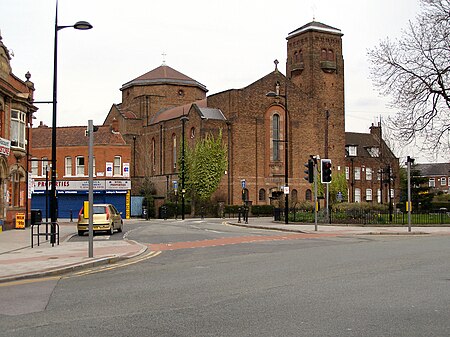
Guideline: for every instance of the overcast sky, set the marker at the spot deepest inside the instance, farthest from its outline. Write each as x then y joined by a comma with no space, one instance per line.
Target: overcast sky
221,44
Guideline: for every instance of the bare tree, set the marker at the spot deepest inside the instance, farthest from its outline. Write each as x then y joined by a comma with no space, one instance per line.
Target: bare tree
414,72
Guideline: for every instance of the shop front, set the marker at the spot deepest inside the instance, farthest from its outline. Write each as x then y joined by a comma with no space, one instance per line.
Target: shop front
72,193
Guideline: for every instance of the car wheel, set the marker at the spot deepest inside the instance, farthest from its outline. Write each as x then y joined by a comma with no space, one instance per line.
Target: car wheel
120,228
111,229
80,233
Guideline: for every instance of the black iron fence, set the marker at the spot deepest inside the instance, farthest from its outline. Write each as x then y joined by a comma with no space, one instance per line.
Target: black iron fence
365,217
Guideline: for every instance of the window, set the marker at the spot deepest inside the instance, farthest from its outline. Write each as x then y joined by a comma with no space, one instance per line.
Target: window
174,151
352,150
276,137
392,193
443,181
68,166
153,155
44,166
117,166
34,167
308,195
374,152
379,196
330,56
347,172
294,195
357,173
18,129
262,195
357,195
192,132
431,183
368,173
369,194
80,166
324,55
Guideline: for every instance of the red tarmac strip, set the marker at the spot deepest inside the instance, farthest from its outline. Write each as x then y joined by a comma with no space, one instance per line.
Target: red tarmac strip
234,240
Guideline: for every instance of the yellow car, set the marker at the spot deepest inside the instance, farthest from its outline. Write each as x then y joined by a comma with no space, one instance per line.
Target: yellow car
106,218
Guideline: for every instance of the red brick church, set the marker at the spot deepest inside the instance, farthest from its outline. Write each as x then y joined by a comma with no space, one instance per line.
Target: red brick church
310,96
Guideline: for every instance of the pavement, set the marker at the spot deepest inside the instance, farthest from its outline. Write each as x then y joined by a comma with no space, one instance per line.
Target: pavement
18,260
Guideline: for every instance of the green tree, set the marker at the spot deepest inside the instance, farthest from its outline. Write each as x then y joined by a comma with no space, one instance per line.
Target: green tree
205,165
338,184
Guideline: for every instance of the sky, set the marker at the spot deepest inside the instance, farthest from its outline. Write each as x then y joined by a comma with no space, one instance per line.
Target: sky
221,44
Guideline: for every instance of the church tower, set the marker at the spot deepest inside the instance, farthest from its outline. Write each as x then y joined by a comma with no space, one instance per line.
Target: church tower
315,65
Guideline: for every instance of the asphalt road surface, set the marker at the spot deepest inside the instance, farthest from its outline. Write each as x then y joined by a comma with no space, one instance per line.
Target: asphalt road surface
203,278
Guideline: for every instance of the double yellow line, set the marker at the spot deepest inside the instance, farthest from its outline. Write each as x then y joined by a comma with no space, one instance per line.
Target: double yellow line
141,258
98,269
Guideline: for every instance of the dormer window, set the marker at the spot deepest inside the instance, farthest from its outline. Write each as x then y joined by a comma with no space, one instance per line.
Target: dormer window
374,152
352,150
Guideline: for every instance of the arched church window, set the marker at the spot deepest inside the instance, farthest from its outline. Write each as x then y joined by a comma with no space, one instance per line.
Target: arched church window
153,154
174,152
275,137
330,56
308,195
262,195
323,56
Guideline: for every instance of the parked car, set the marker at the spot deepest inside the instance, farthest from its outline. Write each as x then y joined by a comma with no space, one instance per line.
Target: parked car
106,218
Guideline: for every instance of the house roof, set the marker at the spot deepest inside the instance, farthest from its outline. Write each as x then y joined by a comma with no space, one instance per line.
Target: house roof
315,26
364,142
164,75
433,169
74,136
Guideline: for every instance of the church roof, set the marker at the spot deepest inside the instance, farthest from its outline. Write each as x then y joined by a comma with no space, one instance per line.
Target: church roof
164,75
200,106
315,26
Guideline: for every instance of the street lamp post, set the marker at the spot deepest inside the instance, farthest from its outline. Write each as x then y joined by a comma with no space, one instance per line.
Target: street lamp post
82,25
184,119
286,152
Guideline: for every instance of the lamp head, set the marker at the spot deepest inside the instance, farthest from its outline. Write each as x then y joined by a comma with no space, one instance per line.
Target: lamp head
82,25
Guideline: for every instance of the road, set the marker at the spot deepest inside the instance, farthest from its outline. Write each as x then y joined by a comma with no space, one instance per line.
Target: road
205,278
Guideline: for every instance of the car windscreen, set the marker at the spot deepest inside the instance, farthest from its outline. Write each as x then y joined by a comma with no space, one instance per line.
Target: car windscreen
99,210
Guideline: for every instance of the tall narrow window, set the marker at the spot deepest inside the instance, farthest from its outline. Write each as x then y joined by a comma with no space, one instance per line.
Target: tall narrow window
276,137
174,151
18,129
357,195
368,194
68,166
80,166
117,166
44,166
357,173
153,155
34,167
368,173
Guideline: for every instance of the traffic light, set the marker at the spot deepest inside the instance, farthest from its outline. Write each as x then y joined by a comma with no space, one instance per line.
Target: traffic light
310,171
325,173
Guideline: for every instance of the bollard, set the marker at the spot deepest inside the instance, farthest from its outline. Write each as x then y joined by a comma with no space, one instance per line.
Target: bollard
71,216
239,215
